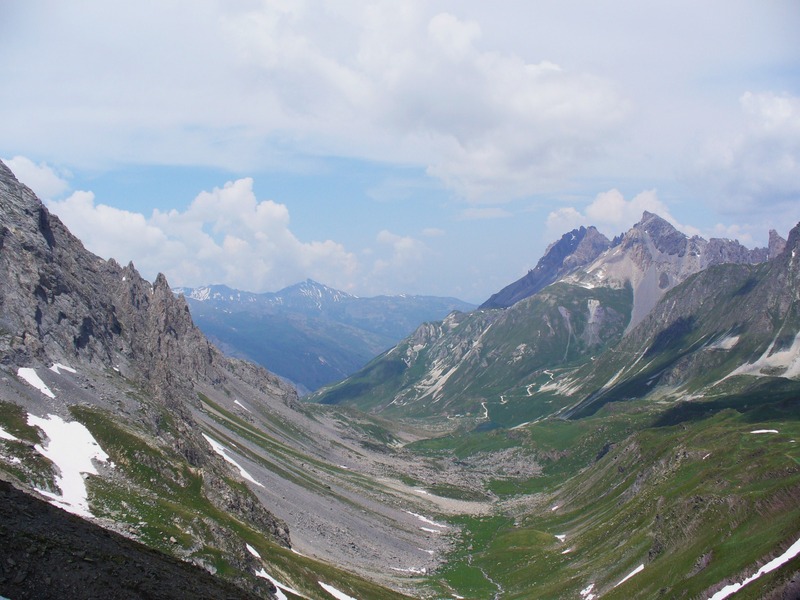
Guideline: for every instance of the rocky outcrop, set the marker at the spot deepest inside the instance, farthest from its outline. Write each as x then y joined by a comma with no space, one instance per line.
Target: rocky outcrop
575,249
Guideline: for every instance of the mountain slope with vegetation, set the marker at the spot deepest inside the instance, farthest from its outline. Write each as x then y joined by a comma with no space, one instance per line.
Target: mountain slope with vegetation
666,449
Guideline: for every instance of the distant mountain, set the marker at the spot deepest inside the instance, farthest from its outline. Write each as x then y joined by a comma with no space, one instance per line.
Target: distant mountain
551,343
575,249
309,333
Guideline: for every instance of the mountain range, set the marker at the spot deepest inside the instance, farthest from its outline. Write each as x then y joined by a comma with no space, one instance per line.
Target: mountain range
308,333
628,430
554,340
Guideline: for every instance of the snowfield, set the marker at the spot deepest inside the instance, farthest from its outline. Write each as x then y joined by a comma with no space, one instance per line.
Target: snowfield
4,435
638,569
794,550
72,448
335,593
32,378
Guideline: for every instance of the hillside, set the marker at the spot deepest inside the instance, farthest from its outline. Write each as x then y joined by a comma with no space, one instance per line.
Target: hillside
308,333
664,451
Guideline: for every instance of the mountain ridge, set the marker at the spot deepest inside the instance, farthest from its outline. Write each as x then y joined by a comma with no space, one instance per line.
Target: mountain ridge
576,319
575,249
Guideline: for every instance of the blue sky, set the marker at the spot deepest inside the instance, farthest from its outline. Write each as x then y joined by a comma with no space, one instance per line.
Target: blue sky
429,147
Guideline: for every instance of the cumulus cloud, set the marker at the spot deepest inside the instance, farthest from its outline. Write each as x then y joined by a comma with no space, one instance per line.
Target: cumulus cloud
611,213
244,85
43,179
758,166
398,258
225,236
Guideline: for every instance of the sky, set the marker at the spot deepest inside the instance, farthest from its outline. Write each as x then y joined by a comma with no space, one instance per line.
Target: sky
421,147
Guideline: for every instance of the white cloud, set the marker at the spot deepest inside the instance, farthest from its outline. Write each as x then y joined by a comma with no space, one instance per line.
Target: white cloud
41,178
453,36
242,86
611,213
397,262
759,166
224,236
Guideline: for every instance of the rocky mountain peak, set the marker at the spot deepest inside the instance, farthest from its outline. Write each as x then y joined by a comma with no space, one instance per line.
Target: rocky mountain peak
573,250
776,244
663,235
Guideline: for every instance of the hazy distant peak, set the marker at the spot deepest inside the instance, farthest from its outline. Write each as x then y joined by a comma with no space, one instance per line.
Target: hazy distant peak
776,244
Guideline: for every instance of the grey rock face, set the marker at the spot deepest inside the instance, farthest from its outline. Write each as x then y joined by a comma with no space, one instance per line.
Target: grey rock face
60,303
575,249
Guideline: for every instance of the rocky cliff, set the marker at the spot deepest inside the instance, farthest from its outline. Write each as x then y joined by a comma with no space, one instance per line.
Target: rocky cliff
575,249
62,305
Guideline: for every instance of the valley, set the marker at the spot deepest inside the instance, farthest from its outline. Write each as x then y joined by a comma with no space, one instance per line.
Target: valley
627,430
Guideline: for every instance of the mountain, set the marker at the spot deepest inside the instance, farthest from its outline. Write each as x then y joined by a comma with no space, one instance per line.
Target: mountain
308,333
500,358
115,407
663,451
659,460
719,330
575,249
653,257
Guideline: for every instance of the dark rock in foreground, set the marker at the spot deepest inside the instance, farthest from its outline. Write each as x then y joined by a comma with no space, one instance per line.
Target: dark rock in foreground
48,553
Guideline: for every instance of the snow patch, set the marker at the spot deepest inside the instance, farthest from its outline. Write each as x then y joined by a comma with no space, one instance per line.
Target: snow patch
242,405
411,570
764,431
586,593
561,537
556,507
223,452
72,448
427,520
32,378
4,435
278,589
775,563
334,592
638,569
788,359
58,367
252,551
